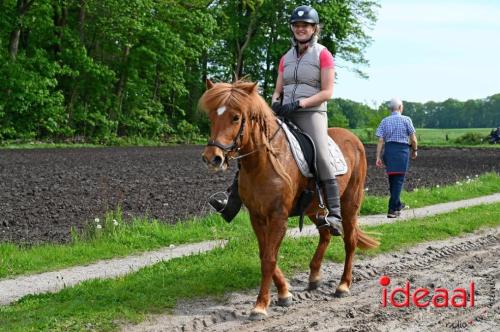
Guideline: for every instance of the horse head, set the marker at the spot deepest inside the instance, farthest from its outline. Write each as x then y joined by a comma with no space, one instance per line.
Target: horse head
228,107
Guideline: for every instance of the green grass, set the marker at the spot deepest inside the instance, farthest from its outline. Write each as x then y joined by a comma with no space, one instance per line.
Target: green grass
119,141
111,241
101,305
437,137
142,235
471,187
426,137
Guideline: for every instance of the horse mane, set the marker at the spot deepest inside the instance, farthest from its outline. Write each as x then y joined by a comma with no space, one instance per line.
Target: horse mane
243,95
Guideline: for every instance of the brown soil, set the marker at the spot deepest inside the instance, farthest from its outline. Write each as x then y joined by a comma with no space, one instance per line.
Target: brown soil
46,192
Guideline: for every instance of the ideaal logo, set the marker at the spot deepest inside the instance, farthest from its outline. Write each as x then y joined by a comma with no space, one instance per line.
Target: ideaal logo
440,297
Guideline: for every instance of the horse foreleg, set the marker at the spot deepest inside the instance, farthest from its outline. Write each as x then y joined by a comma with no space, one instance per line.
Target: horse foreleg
284,295
269,236
315,264
350,242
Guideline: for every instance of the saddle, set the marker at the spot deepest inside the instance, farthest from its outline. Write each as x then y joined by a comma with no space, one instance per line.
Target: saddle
304,153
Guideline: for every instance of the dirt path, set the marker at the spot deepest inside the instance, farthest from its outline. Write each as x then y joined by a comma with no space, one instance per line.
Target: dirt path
449,264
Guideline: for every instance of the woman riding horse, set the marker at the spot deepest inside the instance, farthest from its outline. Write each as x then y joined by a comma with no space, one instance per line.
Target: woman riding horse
305,80
270,183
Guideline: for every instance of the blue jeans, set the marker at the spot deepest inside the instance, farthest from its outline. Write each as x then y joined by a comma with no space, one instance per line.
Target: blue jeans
395,186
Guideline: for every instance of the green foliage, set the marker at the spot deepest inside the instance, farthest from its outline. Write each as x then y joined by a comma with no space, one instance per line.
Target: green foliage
471,139
30,104
102,70
474,113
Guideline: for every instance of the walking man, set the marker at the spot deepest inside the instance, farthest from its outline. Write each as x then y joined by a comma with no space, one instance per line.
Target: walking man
396,135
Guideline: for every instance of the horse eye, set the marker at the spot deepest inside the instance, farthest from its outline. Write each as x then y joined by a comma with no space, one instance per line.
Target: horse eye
236,118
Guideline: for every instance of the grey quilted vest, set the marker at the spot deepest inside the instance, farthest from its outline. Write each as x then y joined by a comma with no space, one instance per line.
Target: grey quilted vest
302,75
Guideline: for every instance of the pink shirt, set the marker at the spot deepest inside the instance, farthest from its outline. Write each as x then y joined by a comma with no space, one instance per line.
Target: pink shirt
325,61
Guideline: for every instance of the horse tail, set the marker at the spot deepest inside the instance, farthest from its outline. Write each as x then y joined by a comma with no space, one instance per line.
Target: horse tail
364,241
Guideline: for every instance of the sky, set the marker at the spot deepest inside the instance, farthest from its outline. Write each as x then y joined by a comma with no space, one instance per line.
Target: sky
426,50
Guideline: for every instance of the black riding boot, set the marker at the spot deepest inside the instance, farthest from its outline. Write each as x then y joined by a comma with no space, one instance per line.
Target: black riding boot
229,208
332,200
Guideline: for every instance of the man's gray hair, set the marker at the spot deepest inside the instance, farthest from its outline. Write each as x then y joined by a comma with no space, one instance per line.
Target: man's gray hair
395,103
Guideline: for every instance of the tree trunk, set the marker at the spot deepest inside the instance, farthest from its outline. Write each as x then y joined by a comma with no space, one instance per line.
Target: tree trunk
14,42
60,20
267,83
241,45
157,85
81,21
120,87
22,8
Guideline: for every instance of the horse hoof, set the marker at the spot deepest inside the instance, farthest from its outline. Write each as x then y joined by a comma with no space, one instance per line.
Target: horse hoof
341,293
257,315
285,302
313,285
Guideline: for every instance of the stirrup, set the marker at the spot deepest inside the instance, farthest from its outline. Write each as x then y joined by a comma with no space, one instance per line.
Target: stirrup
336,228
218,204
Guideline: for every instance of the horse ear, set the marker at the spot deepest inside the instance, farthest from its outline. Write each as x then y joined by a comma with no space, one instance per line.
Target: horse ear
249,87
209,84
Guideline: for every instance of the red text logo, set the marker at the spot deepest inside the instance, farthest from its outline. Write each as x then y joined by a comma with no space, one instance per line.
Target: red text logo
423,297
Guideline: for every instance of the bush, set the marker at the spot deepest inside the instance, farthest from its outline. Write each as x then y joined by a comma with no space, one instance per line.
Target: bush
470,139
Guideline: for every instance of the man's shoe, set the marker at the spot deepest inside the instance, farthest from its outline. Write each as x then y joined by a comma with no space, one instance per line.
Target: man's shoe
393,214
402,207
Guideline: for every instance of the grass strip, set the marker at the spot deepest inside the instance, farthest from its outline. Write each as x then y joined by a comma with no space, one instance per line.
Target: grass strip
470,187
116,238
103,304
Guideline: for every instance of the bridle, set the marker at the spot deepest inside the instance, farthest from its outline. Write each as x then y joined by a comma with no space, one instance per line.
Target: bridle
234,147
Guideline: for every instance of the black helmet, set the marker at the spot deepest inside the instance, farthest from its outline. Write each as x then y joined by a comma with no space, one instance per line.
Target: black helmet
304,14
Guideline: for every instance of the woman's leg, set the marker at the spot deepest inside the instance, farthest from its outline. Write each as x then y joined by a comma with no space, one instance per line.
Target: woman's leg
315,124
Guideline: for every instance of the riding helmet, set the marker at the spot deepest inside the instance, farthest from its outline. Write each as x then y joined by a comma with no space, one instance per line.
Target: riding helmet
304,14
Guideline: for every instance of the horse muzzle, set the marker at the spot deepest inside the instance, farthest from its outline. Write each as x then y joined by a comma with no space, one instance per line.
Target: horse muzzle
215,162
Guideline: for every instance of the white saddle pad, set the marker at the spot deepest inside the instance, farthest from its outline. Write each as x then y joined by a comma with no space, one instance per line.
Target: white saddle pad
337,159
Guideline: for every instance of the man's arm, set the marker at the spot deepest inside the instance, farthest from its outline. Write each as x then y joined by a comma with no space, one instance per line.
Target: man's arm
414,145
380,144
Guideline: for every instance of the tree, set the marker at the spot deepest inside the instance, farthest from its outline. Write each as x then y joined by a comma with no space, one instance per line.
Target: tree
255,34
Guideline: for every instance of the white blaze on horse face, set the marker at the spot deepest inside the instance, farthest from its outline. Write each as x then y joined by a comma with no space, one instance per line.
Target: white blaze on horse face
221,110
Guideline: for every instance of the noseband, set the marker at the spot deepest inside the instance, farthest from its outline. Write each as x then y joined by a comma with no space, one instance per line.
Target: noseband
233,147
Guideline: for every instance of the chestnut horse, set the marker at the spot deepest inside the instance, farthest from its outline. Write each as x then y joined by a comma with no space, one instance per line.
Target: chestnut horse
270,183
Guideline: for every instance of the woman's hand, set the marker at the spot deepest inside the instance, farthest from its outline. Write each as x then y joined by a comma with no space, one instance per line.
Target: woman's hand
276,107
289,108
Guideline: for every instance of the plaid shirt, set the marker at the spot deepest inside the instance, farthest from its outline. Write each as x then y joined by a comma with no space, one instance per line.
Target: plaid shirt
395,128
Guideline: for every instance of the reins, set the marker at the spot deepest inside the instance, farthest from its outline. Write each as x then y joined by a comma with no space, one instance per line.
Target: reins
257,149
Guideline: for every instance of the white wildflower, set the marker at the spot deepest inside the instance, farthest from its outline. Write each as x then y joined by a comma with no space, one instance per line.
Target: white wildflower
476,176
96,220
171,246
115,222
437,185
98,226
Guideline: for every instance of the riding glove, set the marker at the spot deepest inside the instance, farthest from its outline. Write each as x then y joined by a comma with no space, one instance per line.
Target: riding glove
289,108
276,107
